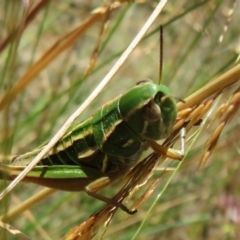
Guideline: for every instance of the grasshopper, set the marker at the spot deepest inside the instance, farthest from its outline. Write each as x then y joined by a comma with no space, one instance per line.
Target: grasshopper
104,147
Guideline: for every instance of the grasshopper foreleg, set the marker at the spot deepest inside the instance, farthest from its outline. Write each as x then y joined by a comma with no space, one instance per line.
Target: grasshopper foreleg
170,152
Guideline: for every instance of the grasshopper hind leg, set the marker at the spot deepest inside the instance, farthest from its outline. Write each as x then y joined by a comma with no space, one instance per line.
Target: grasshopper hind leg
100,183
174,154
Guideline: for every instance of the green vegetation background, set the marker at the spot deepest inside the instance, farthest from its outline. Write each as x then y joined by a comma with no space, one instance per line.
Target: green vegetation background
194,204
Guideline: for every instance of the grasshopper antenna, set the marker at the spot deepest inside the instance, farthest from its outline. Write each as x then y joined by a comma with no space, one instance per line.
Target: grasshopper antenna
160,54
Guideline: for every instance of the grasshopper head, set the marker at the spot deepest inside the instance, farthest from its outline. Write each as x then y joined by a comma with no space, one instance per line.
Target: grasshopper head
149,110
159,114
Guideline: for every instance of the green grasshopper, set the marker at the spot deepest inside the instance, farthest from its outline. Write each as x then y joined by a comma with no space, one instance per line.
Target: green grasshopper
104,147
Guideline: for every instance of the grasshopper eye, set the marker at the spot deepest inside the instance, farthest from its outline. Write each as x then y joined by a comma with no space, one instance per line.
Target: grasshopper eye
158,97
144,81
151,111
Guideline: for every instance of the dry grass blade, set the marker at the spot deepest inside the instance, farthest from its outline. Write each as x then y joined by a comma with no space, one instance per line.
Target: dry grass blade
147,194
54,51
215,86
15,232
98,42
27,204
31,13
228,111
88,229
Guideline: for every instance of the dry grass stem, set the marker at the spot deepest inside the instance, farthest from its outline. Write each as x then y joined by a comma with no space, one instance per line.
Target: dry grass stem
224,113
15,232
53,52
